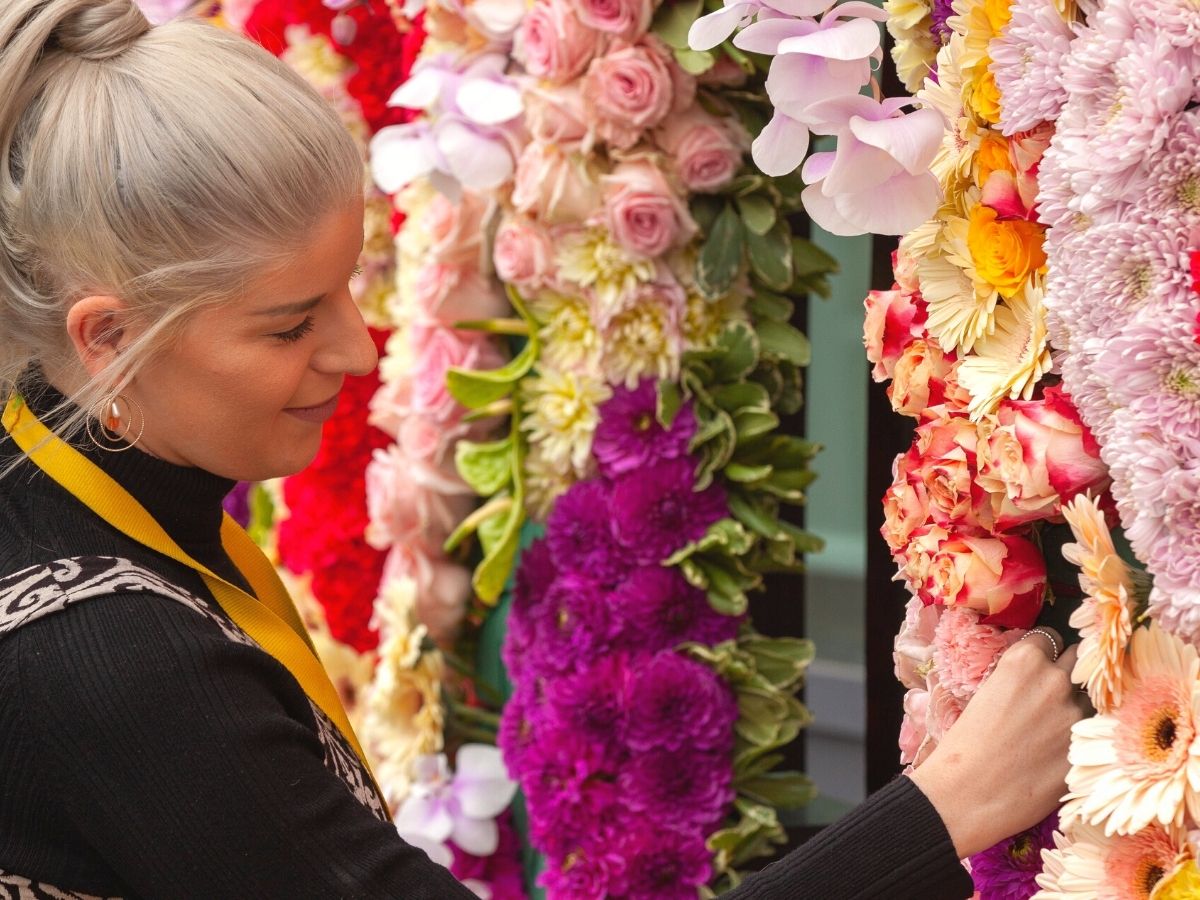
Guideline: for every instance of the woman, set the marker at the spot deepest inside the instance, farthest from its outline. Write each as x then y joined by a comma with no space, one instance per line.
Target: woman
179,218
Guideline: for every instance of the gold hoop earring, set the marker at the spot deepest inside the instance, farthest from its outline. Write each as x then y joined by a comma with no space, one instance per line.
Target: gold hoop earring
110,419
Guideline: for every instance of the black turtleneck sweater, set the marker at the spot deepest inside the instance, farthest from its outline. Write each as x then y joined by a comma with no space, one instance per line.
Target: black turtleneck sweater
145,754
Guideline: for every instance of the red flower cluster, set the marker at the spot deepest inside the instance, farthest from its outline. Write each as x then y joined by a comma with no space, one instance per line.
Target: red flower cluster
381,54
328,516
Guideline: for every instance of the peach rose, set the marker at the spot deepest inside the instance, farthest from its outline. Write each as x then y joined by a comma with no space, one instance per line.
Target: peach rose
642,213
904,270
1051,432
1019,486
627,91
455,229
1001,577
553,186
443,588
522,254
707,150
923,382
942,461
554,44
556,116
411,500
894,319
912,651
905,508
450,293
628,19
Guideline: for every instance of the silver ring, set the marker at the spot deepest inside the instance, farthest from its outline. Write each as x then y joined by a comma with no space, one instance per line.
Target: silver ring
1048,636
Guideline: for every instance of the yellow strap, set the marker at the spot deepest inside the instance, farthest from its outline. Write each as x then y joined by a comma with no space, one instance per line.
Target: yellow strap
273,623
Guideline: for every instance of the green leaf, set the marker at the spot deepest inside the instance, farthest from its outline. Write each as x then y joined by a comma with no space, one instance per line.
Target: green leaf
492,573
758,213
486,467
262,513
767,305
754,517
673,21
695,62
739,349
473,388
746,474
750,424
668,404
771,256
742,395
806,542
721,256
782,790
782,661
809,259
705,208
785,341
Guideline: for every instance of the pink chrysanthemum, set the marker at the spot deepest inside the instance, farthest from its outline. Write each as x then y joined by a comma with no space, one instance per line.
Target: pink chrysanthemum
1175,173
1176,607
1027,61
1154,370
1178,20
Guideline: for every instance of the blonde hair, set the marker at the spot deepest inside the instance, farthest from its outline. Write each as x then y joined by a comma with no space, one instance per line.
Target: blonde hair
166,166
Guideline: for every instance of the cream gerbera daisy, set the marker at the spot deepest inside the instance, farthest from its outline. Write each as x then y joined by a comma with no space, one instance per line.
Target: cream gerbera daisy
562,410
1140,763
954,162
1105,618
961,306
1011,360
1088,865
592,259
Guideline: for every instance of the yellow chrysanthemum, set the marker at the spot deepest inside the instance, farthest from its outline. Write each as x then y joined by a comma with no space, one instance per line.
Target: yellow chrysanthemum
641,341
403,717
1004,252
1105,618
570,342
1086,864
962,305
1011,360
561,414
592,259
1140,763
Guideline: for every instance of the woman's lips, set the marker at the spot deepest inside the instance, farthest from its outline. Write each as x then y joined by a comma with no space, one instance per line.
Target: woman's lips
315,413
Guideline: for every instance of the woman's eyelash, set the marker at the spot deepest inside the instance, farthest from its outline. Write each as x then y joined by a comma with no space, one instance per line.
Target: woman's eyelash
298,332
358,270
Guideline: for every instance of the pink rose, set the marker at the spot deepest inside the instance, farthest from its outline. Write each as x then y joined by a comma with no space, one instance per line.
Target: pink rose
522,254
627,91
450,293
1002,577
628,19
455,229
411,500
553,186
924,382
1019,486
966,651
556,116
942,463
894,319
554,44
707,151
643,214
912,650
443,588
914,735
1050,430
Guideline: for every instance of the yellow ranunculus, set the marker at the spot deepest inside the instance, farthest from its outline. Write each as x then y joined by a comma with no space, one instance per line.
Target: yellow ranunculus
1005,251
992,156
985,96
999,12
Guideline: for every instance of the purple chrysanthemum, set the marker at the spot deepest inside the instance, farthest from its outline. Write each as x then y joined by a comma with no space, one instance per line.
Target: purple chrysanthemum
592,701
660,610
940,29
629,435
237,503
676,703
656,510
587,876
665,864
1008,871
572,626
692,790
535,574
579,532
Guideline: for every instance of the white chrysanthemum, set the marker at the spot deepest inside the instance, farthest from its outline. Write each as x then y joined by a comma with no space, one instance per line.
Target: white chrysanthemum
545,483
570,342
644,340
1140,764
913,50
1105,617
562,410
1009,362
961,305
1086,864
592,259
1027,61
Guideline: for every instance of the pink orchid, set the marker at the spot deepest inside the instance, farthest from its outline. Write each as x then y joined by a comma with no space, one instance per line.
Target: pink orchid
878,179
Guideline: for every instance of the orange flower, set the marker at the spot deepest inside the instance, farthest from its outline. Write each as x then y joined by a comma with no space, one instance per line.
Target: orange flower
1005,251
992,156
999,12
985,96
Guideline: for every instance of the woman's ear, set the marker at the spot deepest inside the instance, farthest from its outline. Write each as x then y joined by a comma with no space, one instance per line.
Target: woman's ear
94,327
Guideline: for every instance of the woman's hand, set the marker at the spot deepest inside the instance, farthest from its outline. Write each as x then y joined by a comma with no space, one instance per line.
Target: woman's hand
1003,766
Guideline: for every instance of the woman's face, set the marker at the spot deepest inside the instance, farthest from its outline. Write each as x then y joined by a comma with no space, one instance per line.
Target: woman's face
244,391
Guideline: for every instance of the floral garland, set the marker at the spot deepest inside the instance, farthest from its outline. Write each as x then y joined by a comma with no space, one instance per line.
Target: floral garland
601,159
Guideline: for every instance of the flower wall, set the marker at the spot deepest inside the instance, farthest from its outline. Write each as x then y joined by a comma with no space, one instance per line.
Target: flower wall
1042,332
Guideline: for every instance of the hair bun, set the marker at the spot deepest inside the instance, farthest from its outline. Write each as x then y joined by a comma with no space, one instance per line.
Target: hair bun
105,29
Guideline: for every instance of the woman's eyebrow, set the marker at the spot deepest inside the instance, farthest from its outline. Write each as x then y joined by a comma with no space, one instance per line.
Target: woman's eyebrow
289,309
